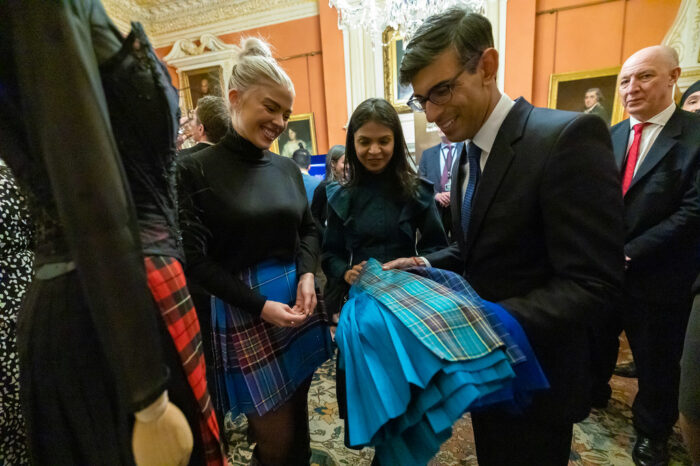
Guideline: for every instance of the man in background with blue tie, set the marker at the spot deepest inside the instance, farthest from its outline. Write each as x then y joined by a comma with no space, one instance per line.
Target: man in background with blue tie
537,212
436,166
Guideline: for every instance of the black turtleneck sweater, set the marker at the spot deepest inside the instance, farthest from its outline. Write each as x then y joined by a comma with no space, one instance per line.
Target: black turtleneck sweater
239,206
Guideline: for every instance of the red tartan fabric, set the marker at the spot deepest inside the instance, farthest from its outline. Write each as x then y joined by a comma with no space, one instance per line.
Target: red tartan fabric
166,280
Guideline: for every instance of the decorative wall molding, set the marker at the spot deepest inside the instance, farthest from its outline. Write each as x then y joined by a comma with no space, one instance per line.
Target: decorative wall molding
166,21
684,36
209,52
242,22
185,50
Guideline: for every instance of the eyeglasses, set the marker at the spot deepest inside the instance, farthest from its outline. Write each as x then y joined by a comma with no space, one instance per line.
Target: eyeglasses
439,94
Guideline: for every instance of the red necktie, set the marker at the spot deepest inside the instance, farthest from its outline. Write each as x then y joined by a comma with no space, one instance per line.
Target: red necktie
632,157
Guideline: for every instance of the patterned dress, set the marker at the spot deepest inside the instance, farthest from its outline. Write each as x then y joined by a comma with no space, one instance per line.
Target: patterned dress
15,275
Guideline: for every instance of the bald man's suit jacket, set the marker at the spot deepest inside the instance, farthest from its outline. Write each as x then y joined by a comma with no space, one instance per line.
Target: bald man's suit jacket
662,210
546,241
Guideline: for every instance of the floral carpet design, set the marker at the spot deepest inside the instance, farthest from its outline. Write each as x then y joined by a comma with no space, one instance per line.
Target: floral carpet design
606,437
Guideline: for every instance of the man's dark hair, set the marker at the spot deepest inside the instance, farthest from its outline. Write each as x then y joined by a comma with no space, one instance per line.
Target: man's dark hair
468,33
212,112
302,157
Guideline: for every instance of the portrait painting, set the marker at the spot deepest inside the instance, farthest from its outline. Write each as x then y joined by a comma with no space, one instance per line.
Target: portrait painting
200,83
299,134
393,52
592,91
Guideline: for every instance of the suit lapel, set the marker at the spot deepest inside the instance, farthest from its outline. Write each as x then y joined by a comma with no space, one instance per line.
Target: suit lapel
620,137
666,139
499,160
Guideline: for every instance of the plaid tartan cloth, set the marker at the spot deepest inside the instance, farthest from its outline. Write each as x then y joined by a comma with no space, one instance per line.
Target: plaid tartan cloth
259,365
166,280
453,326
458,284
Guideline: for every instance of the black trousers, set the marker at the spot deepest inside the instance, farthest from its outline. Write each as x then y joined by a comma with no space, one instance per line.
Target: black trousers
502,439
655,331
689,402
605,345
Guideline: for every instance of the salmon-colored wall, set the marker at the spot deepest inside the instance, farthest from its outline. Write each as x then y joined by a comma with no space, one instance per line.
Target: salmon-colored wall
578,35
318,80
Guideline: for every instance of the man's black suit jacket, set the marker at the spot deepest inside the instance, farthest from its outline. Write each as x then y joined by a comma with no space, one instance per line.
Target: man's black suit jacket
429,166
191,150
662,210
546,241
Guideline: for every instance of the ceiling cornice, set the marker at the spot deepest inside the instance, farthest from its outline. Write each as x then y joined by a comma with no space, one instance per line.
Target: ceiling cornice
166,21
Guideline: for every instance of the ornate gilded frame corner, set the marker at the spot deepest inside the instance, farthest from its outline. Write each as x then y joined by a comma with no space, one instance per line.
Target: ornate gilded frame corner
618,112
391,79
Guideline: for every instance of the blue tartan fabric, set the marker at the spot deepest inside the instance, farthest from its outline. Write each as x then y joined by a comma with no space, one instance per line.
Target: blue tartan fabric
458,284
452,326
259,366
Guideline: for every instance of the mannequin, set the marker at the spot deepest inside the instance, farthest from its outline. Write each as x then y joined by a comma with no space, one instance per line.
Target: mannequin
92,369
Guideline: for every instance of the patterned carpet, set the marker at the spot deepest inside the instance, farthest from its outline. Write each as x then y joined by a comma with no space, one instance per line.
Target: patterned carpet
605,438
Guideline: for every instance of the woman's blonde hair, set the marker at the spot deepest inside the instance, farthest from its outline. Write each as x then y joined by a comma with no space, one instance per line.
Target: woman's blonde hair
253,63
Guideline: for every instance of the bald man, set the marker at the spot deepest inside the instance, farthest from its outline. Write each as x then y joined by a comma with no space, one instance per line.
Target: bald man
657,150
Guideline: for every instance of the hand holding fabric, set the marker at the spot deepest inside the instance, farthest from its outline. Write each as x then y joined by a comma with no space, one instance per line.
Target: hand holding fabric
161,435
352,274
405,263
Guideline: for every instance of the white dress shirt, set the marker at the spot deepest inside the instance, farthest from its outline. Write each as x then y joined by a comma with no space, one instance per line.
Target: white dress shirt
650,133
486,136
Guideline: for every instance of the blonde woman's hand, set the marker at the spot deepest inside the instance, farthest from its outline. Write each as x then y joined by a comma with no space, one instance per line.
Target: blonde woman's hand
306,295
281,315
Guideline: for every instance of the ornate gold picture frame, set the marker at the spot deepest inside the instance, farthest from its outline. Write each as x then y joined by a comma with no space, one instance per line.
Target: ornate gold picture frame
301,129
567,92
201,82
392,53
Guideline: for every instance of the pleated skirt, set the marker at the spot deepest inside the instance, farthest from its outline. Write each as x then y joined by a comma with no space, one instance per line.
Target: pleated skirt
71,408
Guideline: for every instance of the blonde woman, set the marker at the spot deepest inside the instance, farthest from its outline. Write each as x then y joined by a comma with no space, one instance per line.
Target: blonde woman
252,249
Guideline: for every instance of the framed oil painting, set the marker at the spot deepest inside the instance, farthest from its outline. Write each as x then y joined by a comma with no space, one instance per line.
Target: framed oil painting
592,91
393,51
200,83
300,133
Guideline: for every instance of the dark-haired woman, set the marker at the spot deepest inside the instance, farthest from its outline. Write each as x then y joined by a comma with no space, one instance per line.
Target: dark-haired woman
416,350
381,211
383,205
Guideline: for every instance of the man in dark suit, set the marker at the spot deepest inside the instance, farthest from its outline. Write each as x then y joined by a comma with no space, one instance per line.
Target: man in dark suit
436,166
210,123
657,150
537,212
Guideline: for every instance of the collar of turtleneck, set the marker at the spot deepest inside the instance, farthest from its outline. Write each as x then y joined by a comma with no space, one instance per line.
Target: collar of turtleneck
245,149
384,181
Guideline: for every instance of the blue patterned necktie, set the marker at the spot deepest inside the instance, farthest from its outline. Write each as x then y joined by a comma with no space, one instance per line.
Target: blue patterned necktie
474,160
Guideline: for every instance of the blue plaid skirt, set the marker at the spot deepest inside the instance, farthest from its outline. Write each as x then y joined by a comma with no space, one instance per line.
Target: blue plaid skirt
258,365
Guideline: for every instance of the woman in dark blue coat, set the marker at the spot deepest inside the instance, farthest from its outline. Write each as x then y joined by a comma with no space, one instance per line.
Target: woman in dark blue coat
383,210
